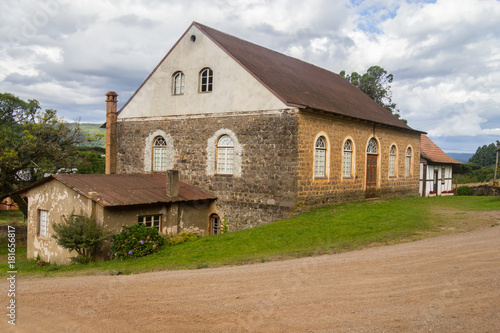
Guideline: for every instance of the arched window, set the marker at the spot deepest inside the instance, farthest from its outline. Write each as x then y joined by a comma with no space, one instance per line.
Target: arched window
206,80
320,157
225,155
372,147
408,162
347,162
159,154
392,162
178,83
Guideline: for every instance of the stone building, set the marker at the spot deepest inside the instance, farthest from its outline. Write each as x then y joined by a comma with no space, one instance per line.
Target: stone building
267,134
159,201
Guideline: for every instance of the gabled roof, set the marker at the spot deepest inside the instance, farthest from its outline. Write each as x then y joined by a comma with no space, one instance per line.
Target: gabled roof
300,84
431,152
297,83
125,189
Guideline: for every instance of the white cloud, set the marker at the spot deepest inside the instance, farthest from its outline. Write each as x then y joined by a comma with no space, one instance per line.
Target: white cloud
445,56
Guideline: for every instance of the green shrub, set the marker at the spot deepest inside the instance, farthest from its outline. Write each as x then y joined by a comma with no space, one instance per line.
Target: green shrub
135,241
464,190
182,237
81,234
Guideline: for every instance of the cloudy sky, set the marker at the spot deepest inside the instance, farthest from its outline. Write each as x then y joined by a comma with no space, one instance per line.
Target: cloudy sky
444,54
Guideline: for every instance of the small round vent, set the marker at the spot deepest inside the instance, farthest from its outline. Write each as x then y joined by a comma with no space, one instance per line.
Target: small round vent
193,38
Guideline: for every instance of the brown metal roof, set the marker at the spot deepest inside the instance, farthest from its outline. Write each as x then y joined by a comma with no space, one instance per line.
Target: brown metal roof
431,152
127,189
301,84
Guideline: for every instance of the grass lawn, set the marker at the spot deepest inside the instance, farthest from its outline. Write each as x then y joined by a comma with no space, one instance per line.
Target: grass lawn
326,230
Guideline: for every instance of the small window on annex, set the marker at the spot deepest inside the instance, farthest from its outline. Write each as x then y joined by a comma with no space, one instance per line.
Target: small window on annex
215,224
320,158
150,221
159,154
178,83
206,80
408,162
225,155
392,162
347,161
43,223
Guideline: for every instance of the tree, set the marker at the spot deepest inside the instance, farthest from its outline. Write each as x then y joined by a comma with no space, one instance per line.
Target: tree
81,234
33,143
485,156
376,83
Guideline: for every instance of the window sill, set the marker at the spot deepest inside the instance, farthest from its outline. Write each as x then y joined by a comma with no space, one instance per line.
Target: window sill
224,174
347,177
320,178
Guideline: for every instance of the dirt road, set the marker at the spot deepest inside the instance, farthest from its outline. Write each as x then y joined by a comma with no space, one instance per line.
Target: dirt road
444,284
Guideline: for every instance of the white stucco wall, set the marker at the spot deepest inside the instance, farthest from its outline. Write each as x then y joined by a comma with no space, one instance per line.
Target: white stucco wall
444,181
234,89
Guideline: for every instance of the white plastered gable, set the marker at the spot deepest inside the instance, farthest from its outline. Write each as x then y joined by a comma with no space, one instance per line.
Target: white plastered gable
234,88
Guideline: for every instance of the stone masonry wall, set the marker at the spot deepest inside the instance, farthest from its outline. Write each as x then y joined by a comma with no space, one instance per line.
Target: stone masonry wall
264,190
335,188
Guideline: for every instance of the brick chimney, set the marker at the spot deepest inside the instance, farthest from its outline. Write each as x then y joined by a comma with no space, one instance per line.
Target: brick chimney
172,183
111,139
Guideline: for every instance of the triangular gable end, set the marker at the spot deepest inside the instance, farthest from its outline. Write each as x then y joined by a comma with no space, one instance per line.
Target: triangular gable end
234,88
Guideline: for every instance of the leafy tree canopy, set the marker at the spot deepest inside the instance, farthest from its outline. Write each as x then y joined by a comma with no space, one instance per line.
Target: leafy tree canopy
485,156
376,83
33,143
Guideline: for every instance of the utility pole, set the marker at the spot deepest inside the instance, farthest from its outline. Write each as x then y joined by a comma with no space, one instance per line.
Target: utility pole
495,182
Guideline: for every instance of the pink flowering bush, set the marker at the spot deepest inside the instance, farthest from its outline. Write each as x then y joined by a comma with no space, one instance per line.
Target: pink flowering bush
135,241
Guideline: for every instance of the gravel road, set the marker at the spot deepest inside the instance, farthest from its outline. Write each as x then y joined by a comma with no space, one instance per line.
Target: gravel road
444,284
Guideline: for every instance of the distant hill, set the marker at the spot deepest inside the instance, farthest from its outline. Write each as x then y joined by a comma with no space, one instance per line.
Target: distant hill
92,130
461,157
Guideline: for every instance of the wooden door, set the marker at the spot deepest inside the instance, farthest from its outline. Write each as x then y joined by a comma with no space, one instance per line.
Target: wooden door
371,175
435,189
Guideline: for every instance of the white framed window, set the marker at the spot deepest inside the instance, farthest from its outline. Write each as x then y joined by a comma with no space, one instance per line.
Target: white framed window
206,80
443,174
408,162
347,161
178,83
43,223
392,162
372,147
225,155
160,154
150,221
320,157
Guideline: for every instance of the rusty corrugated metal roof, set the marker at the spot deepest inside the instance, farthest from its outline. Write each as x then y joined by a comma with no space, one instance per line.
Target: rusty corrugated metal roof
431,152
127,189
300,84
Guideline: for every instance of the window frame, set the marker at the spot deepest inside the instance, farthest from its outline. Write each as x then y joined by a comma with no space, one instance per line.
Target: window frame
141,220
206,74
320,157
178,89
161,150
392,161
227,150
43,223
347,160
408,162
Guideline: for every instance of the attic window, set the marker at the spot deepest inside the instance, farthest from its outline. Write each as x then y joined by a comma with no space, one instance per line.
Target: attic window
193,38
206,80
178,83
